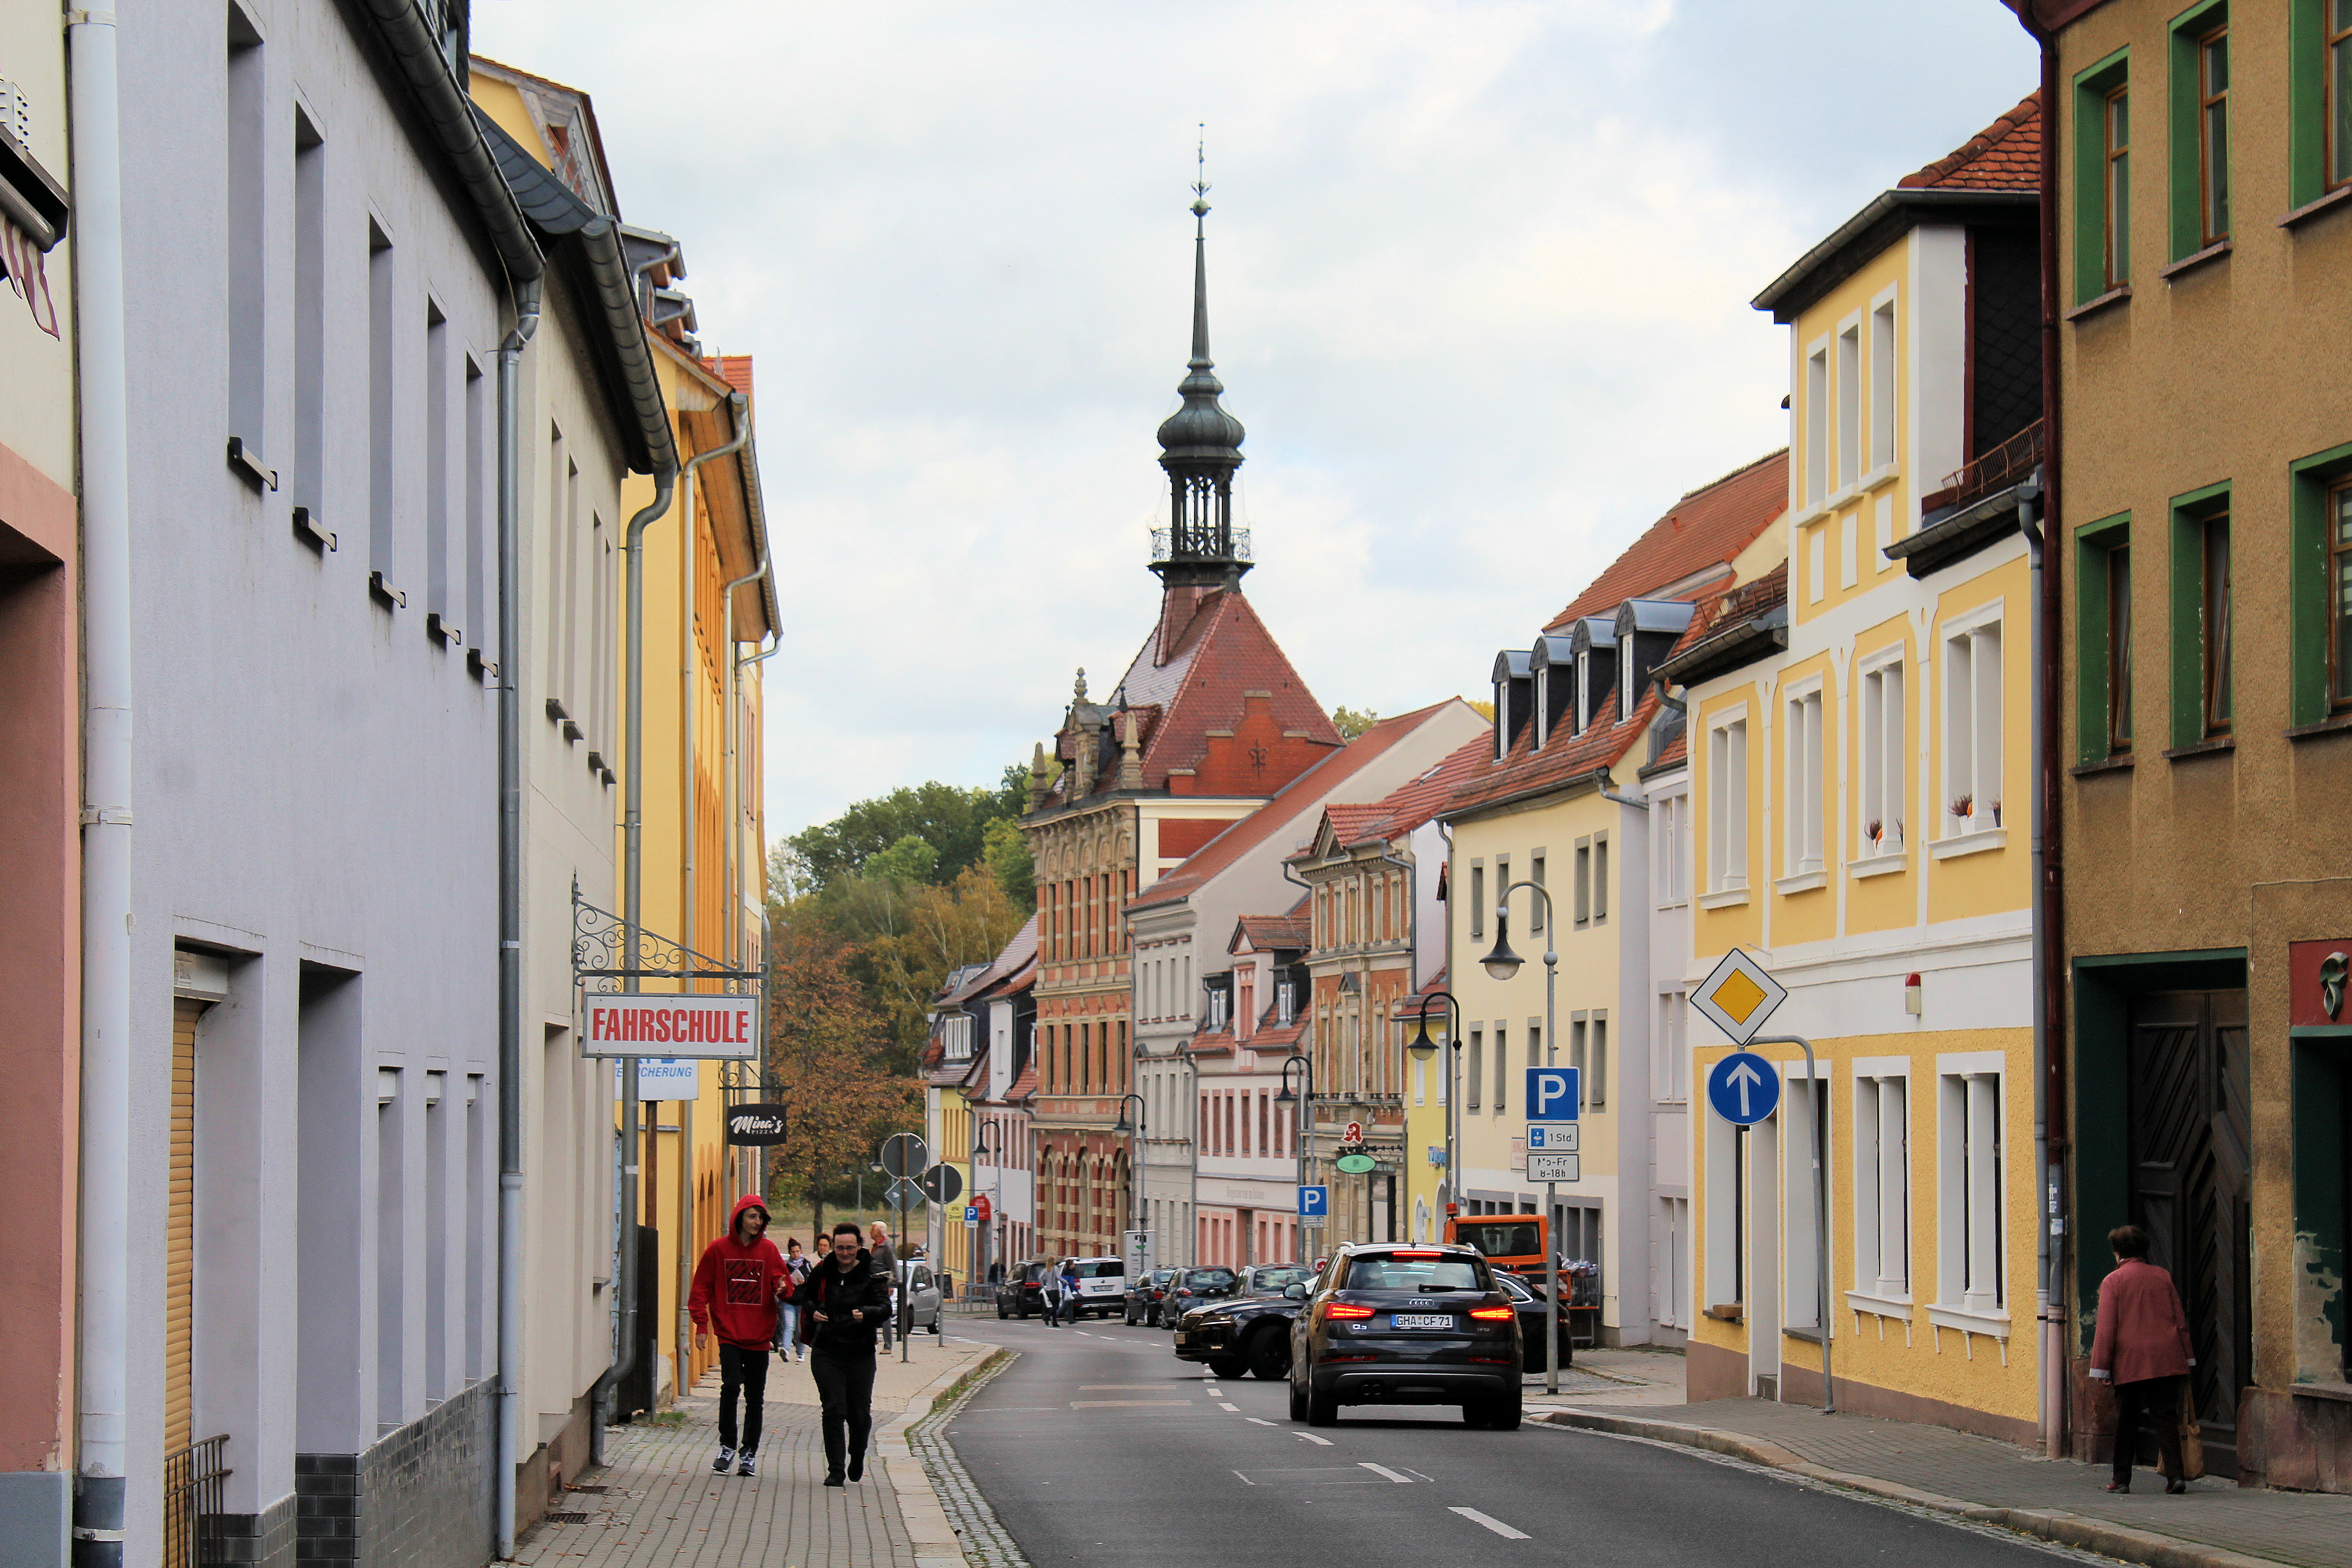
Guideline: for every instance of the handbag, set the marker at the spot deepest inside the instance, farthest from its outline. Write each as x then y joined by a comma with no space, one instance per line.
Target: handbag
2192,1438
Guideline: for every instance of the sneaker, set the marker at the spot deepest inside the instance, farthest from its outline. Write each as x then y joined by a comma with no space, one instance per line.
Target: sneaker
720,1465
833,1478
747,1466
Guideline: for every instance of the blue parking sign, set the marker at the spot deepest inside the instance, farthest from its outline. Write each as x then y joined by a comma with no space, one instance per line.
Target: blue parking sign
1314,1203
1551,1094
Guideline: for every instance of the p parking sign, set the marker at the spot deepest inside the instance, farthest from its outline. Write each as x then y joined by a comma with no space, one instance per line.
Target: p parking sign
1551,1094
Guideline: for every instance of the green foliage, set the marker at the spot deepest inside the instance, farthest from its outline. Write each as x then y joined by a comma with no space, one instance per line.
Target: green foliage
1006,851
951,819
1351,723
912,859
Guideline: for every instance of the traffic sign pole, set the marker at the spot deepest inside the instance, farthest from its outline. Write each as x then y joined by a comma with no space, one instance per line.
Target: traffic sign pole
1821,1205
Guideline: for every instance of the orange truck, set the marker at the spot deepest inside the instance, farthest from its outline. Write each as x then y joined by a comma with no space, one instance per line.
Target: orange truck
1515,1243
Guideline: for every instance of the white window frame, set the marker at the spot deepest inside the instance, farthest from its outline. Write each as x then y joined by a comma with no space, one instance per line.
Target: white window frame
1726,838
1817,421
1882,797
1883,351
1670,1049
1803,807
1800,1268
1882,1228
1972,697
1672,838
1849,403
1971,1192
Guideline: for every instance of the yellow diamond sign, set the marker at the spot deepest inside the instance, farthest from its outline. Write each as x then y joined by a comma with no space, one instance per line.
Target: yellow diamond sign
1738,996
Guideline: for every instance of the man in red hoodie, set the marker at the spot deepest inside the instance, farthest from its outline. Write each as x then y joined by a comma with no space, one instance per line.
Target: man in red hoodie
736,1287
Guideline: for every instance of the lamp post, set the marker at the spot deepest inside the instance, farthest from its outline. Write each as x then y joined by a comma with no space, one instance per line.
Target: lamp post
1134,1131
981,1128
1422,1048
1305,1099
1501,963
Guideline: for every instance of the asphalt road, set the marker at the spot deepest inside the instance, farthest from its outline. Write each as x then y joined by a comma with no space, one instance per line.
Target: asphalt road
1098,1447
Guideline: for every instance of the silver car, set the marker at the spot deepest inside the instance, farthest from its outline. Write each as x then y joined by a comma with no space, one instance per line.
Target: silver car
920,1293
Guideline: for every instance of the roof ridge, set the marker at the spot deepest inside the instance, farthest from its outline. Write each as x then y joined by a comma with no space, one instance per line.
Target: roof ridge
1727,478
2027,111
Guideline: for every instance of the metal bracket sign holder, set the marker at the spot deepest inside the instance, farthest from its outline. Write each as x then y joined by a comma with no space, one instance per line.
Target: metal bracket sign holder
1737,997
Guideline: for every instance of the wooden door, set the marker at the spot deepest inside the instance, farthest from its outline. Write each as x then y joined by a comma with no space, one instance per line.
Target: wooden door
180,1233
2191,1150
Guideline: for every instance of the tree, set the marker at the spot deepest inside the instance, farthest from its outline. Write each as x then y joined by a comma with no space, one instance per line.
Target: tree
1006,851
944,929
829,1060
951,818
1351,723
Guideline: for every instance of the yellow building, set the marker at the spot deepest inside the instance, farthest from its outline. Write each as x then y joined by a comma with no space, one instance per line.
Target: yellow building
1551,800
1860,742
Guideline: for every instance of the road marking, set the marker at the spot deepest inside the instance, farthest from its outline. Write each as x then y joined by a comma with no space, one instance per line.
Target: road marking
1122,1387
1234,1408
1121,1403
1260,1421
1496,1525
1245,1480
1311,1437
1384,1470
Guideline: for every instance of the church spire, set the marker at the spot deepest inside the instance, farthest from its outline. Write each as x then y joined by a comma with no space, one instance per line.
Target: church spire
1200,448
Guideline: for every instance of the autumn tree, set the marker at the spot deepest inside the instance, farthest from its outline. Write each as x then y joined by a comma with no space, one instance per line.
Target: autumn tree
831,1059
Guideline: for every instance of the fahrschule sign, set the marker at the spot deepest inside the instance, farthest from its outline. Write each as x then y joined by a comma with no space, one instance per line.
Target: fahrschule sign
670,1025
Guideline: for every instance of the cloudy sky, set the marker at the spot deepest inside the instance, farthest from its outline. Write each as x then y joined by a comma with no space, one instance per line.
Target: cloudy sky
1479,275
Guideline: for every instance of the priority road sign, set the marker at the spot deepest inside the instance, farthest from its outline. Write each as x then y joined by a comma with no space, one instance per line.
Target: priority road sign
1554,1167
1314,1205
1554,1137
1552,1094
1738,996
1743,1088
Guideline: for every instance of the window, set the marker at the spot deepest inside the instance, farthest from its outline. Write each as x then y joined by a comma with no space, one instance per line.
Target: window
2336,27
1579,1039
1596,1090
2340,594
1726,827
1972,729
1477,898
2115,184
380,425
1501,1072
440,584
1726,1203
1881,383
1884,800
2104,638
1477,1066
1849,407
1583,894
1601,879
248,157
1802,755
1817,425
1670,1066
2102,131
1671,863
1803,1118
310,322
1969,1189
2213,135
2202,683
1537,905
1881,1182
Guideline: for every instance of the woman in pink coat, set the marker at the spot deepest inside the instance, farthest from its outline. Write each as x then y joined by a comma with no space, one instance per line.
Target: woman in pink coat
2142,1346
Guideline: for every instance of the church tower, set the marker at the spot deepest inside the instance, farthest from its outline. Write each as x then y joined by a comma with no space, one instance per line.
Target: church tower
1200,448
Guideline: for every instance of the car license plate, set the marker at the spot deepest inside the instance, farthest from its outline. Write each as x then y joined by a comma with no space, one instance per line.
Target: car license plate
1420,1320
1182,1338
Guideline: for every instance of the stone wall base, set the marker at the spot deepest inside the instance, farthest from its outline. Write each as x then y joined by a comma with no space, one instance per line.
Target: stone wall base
2299,1442
1803,1386
541,1477
1710,1372
419,1496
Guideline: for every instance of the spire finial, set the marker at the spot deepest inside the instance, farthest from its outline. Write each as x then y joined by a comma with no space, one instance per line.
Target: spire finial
1201,184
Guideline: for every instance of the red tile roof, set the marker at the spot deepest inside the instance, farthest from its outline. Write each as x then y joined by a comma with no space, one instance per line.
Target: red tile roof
1283,810
1269,933
1704,530
735,370
1026,1085
2004,156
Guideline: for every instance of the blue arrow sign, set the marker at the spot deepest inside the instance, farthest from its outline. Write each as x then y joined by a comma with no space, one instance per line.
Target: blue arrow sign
1551,1094
1743,1088
1314,1203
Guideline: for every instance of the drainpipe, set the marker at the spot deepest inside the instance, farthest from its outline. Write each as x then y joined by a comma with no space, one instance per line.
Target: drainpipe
526,304
103,1351
2029,521
733,858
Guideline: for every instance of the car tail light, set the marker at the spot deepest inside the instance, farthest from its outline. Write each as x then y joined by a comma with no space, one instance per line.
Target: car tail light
1416,1255
1491,1314
1341,1309
1330,1360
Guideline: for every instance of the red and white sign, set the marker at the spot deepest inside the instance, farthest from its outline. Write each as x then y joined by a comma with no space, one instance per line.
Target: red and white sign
1354,1134
980,1208
652,1025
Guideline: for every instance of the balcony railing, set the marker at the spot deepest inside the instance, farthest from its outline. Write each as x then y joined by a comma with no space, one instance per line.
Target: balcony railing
195,1490
2010,463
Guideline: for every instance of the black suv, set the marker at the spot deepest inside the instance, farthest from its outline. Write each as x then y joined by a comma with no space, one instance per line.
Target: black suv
1392,1324
1023,1294
1143,1295
1192,1287
1250,1333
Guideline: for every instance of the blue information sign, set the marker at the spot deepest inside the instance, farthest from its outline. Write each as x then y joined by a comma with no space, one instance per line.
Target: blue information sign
1551,1094
1743,1088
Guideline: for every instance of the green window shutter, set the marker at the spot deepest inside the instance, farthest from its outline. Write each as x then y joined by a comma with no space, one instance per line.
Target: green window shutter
2093,540
2307,586
2186,223
2307,100
2187,662
2091,89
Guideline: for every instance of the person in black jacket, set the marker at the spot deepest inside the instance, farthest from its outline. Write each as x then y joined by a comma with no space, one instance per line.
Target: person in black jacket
844,1303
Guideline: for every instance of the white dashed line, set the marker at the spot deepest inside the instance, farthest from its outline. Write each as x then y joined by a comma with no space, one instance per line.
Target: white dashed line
1496,1525
1259,1421
1384,1470
1245,1480
1234,1408
1311,1437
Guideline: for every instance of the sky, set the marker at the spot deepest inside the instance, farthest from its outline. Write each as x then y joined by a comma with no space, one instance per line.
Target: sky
1479,285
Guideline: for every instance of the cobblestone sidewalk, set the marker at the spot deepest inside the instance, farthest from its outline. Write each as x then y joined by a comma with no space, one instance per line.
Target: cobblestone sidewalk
656,1500
2216,1524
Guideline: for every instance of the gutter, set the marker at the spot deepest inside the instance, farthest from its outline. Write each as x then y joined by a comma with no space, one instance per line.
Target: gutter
399,28
1751,639
1598,779
1961,533
1828,264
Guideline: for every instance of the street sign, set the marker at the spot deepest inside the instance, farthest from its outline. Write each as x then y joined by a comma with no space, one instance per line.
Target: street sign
972,1213
755,1125
942,1184
986,1212
1737,997
1352,1133
1554,1137
1552,1094
1553,1167
664,1078
1355,1164
1314,1205
904,1194
1743,1088
675,1024
904,1154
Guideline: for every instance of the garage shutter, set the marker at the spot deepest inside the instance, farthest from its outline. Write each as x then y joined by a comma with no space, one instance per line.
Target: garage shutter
180,1233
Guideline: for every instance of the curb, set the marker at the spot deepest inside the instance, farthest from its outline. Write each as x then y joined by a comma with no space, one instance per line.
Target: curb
935,1541
2107,1539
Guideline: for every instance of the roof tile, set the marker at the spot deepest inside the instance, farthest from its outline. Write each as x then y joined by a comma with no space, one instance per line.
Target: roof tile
2004,156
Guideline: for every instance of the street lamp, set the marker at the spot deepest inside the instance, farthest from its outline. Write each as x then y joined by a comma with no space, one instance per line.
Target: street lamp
1501,963
1422,1048
1305,1099
1134,1131
981,1128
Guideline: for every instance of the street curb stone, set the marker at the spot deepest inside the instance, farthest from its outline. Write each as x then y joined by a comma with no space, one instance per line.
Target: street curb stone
936,1542
2119,1541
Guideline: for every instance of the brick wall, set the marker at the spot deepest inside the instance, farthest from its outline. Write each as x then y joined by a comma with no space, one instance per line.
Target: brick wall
418,1498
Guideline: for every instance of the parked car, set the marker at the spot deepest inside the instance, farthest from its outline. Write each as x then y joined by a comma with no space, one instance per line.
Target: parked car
1143,1295
1102,1285
1270,1278
1529,1303
920,1293
1192,1286
1389,1323
1023,1293
1244,1334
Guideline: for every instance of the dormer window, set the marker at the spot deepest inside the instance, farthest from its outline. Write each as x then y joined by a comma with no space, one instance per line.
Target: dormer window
1286,1010
1552,662
1513,685
1646,631
1594,643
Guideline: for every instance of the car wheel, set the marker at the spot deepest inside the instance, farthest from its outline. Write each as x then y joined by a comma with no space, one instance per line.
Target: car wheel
1269,1354
1001,1312
1503,1413
1474,1413
1230,1366
1298,1402
1322,1409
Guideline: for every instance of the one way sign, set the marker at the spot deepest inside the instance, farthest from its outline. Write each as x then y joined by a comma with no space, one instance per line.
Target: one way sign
1743,1088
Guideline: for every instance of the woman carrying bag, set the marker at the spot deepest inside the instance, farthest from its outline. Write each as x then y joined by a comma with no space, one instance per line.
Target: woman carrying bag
2142,1346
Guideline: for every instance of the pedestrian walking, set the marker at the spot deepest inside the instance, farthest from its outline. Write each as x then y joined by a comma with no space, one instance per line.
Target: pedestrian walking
1050,1288
788,1316
1070,1291
885,1264
844,1303
735,1291
2142,1345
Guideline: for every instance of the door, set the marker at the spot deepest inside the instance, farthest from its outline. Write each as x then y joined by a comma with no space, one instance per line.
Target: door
2191,1145
180,1233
